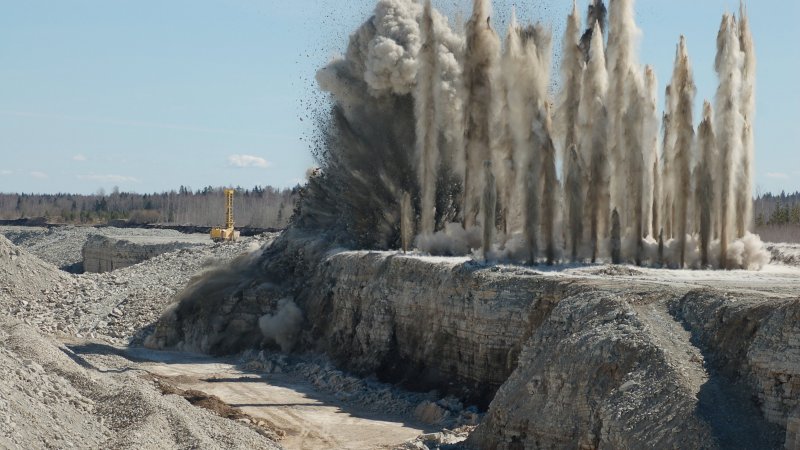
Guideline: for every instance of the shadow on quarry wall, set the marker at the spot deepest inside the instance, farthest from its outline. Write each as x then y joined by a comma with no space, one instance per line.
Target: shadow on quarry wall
750,347
458,328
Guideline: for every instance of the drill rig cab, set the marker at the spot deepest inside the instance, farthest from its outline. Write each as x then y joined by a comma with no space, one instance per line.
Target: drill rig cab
227,234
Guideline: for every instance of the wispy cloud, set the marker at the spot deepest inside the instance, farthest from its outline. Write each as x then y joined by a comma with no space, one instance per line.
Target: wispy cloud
109,178
244,161
6,172
136,123
38,175
79,157
779,175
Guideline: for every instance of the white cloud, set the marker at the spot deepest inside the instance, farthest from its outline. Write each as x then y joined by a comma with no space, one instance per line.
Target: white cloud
244,161
109,178
39,175
6,172
780,175
79,157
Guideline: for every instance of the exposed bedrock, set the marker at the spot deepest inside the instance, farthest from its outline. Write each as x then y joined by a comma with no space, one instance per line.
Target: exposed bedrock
450,325
600,374
108,253
591,359
755,344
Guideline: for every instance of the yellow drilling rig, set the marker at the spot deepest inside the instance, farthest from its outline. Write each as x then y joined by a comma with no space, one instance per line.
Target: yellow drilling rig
228,233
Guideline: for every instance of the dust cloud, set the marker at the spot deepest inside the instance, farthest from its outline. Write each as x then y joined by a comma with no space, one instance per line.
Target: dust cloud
456,130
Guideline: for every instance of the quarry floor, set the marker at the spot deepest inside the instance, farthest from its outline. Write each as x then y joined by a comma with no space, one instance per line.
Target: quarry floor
98,321
305,417
94,324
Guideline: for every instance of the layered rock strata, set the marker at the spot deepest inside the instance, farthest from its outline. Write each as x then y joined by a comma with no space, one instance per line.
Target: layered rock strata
108,253
589,358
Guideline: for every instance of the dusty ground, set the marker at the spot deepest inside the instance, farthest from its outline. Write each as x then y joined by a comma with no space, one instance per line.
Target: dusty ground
50,398
64,341
96,392
304,417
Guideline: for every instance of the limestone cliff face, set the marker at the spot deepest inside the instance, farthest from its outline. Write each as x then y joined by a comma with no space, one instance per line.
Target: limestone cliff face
105,254
426,323
755,343
596,374
563,360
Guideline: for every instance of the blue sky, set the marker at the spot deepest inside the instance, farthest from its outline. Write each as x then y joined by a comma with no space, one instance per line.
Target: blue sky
149,95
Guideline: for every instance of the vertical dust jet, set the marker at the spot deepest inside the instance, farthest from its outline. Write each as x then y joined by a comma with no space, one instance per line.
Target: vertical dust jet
623,69
704,181
488,208
728,127
567,115
636,175
744,189
502,139
650,149
406,221
657,197
550,190
480,64
526,69
683,125
520,90
449,115
427,132
616,238
593,126
419,108
574,195
667,161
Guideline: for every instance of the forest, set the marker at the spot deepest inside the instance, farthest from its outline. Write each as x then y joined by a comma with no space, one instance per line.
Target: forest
777,216
259,207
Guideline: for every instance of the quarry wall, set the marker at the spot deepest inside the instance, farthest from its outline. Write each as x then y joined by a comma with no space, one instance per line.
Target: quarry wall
427,323
559,359
107,253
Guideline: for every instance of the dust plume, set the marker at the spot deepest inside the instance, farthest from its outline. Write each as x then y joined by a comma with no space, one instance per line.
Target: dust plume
744,191
683,129
567,120
728,127
704,181
418,108
593,126
488,208
480,64
427,133
282,326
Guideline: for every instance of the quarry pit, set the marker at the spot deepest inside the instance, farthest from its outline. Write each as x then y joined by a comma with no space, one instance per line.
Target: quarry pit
415,351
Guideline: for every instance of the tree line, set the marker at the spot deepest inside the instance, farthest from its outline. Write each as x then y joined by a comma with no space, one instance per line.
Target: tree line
778,217
259,207
782,209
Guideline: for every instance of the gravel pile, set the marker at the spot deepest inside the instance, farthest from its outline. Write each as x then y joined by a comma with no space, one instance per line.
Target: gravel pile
27,283
368,394
48,400
788,254
127,301
115,307
62,246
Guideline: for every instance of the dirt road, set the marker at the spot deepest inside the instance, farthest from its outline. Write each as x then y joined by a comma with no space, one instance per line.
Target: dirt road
310,419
